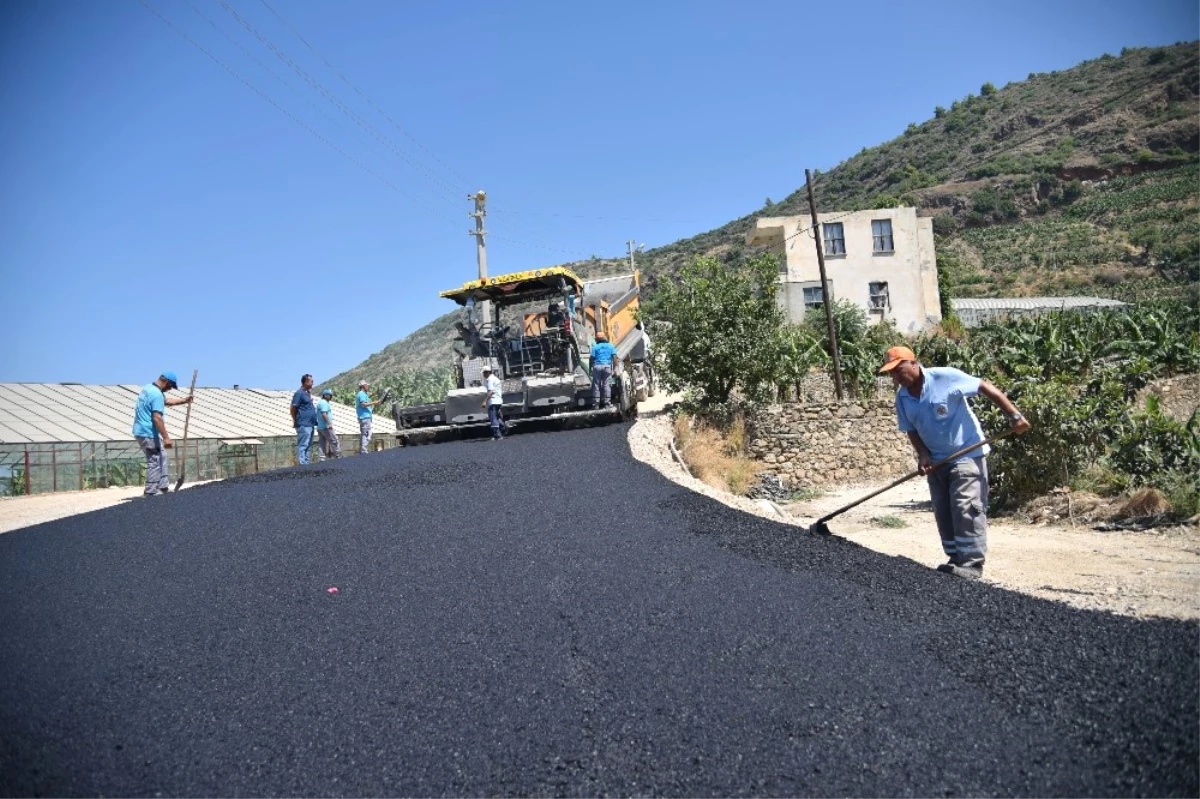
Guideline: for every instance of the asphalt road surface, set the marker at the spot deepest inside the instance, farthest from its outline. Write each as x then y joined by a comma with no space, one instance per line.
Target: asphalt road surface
547,616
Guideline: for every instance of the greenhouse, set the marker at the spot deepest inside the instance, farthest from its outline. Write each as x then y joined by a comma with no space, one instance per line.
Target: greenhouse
70,436
975,311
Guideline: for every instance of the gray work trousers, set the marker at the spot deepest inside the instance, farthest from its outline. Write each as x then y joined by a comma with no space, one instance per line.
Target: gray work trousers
158,465
364,429
329,447
601,390
959,492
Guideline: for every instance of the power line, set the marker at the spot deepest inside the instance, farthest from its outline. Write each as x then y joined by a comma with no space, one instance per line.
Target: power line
508,212
349,112
451,193
289,114
546,248
323,139
346,80
269,71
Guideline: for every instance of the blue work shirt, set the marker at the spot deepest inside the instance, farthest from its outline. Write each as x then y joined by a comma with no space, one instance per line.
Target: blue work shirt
603,353
364,412
149,402
323,407
941,415
306,412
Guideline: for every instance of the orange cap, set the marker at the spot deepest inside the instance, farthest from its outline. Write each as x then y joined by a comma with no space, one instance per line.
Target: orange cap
894,356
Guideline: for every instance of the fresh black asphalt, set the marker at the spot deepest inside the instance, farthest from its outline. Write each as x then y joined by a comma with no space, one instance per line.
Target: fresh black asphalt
547,616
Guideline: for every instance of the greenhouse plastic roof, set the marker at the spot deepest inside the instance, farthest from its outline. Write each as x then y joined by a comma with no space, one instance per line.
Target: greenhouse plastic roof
46,413
1032,303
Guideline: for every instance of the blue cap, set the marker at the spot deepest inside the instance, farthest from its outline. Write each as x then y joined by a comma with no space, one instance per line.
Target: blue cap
171,378
327,392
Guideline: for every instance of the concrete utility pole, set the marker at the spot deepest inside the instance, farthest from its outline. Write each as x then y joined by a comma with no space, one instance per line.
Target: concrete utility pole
479,233
629,245
484,309
825,299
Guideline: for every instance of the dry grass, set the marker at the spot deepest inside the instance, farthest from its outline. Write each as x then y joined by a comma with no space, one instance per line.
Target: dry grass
1088,508
716,456
1147,502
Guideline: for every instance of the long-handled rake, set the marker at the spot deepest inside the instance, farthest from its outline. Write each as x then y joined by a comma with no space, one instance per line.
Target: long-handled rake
187,419
821,528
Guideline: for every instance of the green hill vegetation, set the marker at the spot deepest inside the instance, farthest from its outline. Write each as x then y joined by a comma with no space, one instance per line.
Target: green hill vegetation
1083,181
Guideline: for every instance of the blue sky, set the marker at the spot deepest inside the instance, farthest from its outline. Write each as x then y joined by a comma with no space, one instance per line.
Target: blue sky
159,213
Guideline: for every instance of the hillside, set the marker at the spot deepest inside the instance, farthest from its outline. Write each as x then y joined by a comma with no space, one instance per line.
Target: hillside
1074,182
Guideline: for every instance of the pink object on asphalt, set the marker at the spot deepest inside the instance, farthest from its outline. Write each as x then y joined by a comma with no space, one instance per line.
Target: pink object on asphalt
332,589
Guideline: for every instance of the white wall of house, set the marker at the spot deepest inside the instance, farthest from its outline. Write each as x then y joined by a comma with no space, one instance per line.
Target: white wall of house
904,278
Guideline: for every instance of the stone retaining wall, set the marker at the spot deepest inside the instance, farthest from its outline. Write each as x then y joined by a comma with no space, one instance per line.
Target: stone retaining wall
818,443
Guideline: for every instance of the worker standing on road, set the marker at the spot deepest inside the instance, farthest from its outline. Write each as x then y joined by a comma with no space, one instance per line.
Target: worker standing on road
304,419
603,355
931,407
363,404
151,431
494,402
329,447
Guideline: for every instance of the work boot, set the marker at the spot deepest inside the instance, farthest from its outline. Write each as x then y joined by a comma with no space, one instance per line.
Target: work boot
947,567
967,572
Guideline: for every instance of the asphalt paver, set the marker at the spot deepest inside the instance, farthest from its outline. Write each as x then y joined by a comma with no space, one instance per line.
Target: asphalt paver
546,616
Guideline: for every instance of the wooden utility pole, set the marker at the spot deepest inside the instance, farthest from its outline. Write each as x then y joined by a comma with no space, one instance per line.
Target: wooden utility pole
825,299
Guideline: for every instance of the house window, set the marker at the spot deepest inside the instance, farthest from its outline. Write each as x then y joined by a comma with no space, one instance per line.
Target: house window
814,297
879,298
835,239
881,232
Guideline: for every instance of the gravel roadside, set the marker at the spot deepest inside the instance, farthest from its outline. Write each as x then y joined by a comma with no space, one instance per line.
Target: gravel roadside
1141,574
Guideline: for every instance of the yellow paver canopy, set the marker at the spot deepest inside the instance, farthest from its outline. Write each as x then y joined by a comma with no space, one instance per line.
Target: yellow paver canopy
528,286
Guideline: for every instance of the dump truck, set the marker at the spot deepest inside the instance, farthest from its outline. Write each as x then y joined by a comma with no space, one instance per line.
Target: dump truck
535,330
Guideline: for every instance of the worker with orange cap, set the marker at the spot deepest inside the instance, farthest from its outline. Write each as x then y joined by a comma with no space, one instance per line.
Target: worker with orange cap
932,408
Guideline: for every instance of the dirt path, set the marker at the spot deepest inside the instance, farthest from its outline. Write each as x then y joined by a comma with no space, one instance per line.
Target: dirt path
1155,573
17,512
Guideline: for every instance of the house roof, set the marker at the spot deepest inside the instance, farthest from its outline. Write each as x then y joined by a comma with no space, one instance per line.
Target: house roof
1033,303
43,413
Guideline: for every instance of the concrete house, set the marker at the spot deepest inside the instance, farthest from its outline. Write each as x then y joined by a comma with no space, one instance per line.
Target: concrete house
882,260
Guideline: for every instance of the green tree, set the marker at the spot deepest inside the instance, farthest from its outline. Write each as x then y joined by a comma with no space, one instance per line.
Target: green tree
860,346
725,328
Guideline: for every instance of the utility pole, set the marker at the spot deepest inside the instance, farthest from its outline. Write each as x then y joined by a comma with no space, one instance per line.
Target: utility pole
825,300
484,308
629,245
